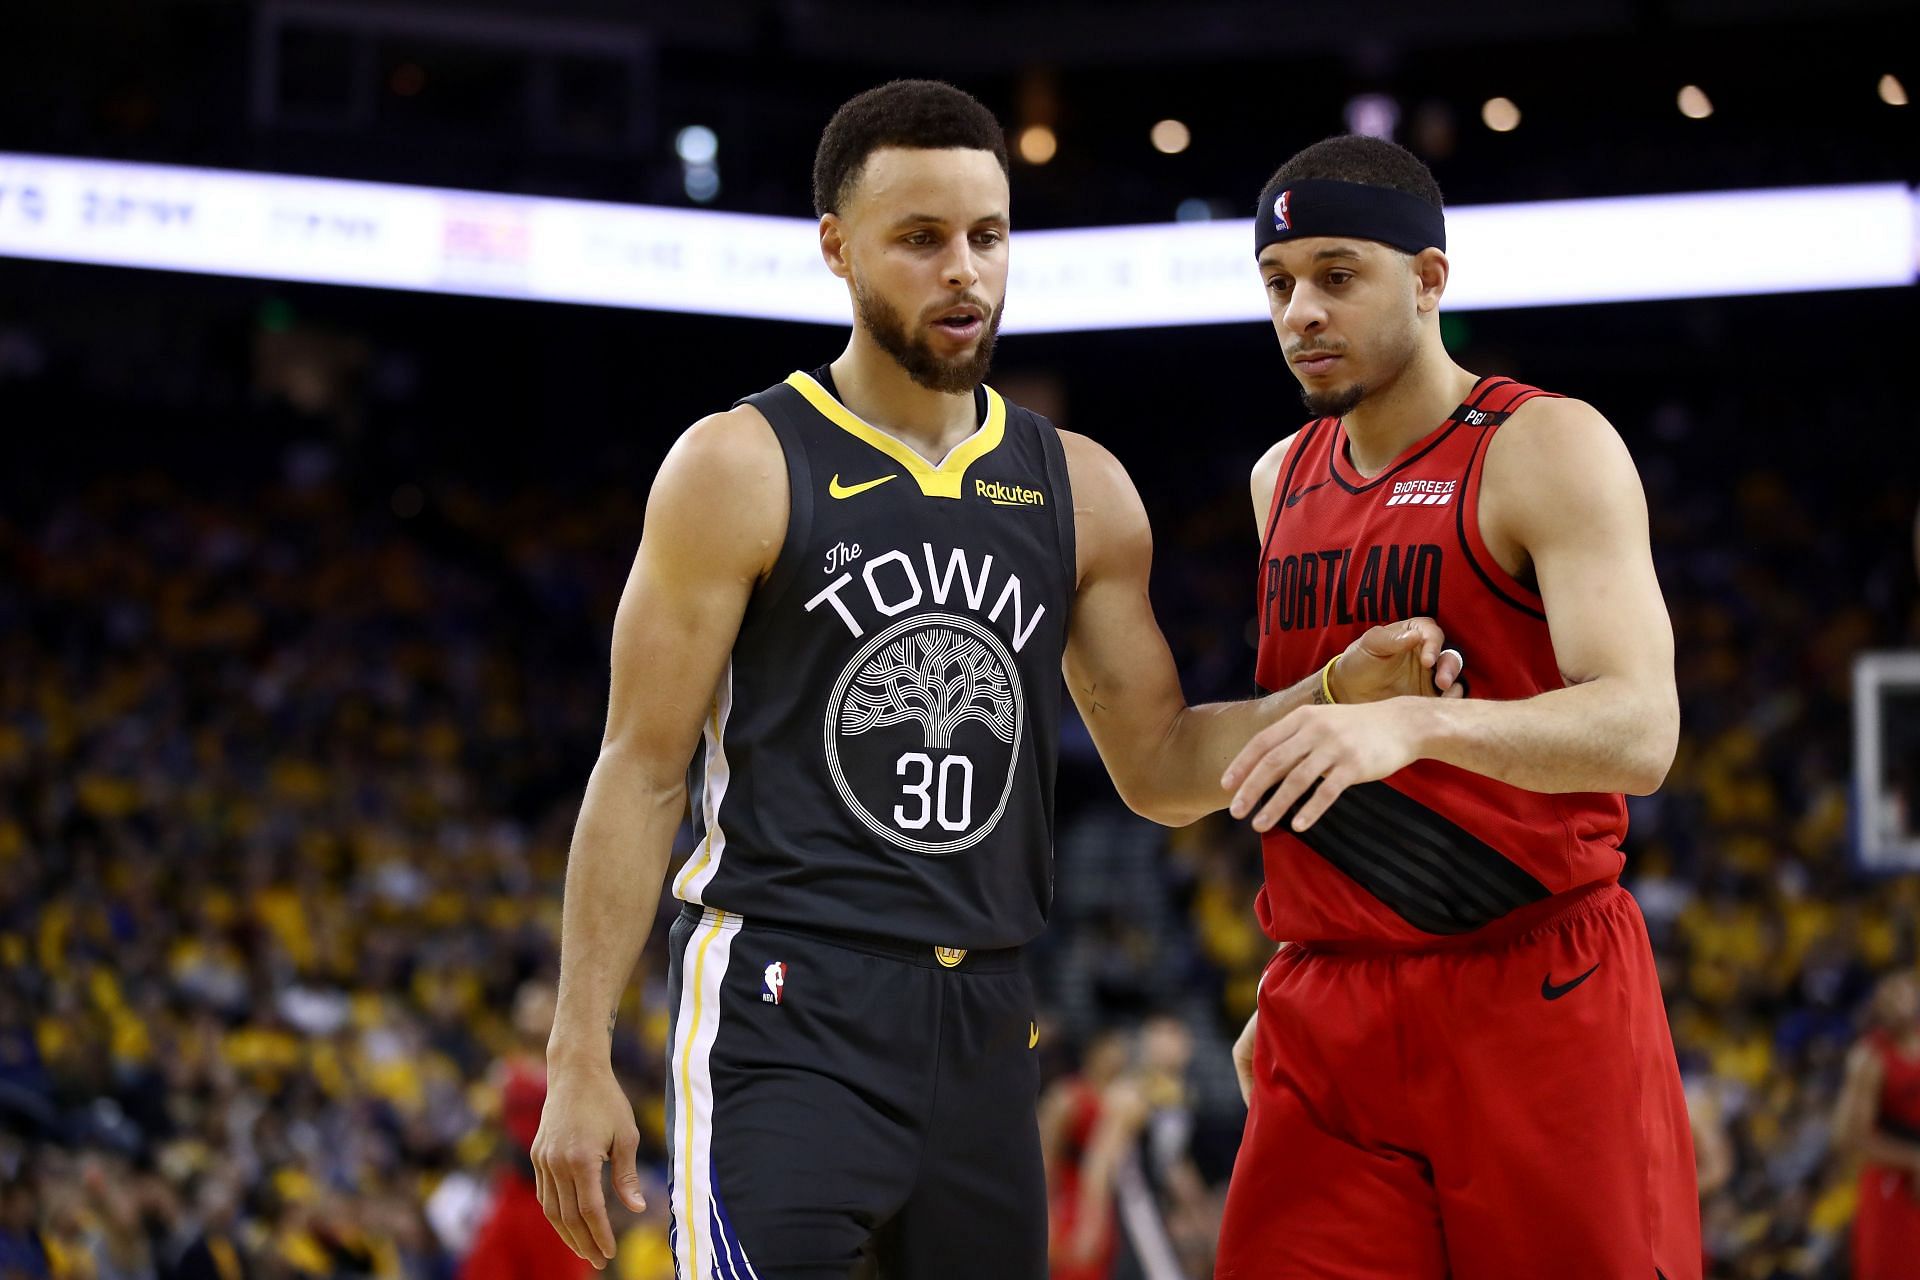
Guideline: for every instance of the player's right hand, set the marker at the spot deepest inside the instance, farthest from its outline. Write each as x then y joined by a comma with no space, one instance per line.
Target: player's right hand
586,1121
1398,659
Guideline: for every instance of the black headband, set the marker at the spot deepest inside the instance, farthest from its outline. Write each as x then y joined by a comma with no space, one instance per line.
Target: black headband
1321,207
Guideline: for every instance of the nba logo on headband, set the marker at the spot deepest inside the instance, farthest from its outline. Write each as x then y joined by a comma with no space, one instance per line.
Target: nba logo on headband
1408,222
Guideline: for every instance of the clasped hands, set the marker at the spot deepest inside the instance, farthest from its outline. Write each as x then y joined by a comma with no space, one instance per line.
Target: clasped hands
1365,734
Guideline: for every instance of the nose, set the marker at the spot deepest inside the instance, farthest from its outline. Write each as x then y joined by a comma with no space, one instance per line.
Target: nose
1304,312
959,270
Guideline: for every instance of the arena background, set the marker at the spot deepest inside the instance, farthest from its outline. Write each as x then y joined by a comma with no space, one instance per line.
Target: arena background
305,591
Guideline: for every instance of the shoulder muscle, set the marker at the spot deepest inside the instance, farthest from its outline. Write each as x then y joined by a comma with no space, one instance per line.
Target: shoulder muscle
1557,470
1266,474
720,495
715,520
1110,522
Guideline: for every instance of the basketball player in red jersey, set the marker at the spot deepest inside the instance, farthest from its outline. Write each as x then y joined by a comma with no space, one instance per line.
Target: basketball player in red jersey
515,1242
1087,1122
1878,1119
1460,1064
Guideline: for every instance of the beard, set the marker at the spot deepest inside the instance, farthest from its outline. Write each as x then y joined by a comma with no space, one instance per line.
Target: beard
936,373
1335,404
1394,352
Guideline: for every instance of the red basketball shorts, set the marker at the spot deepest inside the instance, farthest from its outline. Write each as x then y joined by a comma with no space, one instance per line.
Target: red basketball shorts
1509,1109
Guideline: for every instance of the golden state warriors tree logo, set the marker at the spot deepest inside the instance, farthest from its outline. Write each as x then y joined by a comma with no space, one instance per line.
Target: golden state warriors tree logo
922,731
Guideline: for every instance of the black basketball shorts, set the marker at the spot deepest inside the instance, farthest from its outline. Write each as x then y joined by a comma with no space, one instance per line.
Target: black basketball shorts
836,1101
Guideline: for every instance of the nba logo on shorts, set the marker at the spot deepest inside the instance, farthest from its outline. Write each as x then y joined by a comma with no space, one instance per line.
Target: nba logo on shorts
774,980
1281,222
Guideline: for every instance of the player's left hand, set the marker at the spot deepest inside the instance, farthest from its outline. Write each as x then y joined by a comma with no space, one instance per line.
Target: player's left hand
1335,746
1398,658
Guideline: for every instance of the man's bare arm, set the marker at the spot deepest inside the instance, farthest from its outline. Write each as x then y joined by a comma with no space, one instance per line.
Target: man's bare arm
1854,1131
1266,474
1560,487
1123,1114
1165,757
1561,492
714,524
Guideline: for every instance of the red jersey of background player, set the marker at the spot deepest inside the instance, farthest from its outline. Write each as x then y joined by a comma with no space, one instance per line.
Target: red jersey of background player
1886,1226
1064,1209
516,1242
1434,850
523,1092
1897,1110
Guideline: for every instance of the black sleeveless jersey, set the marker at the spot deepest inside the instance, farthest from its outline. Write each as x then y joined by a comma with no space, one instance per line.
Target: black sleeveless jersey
879,754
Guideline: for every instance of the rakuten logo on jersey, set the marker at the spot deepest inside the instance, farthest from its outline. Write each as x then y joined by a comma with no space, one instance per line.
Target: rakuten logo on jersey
1422,493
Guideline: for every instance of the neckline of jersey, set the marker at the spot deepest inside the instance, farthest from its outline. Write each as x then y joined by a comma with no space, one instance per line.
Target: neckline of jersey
1340,467
936,479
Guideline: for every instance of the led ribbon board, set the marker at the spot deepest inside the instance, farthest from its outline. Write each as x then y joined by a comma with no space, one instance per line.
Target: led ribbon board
382,235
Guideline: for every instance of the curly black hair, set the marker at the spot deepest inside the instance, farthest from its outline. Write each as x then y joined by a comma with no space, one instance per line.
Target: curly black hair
1372,162
927,114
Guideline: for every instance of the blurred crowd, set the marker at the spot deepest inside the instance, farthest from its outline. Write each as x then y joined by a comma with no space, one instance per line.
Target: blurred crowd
265,902
287,776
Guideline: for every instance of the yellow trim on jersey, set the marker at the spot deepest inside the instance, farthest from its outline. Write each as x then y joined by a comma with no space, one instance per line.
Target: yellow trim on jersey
686,1083
942,481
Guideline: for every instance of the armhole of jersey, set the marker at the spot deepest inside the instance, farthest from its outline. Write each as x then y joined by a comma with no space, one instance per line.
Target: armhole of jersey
1283,481
1505,587
779,406
1056,463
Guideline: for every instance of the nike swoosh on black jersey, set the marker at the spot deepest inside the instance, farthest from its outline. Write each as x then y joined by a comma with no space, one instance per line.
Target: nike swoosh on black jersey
1551,992
839,490
1298,494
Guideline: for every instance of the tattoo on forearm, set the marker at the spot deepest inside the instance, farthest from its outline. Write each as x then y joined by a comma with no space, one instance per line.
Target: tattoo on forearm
1320,695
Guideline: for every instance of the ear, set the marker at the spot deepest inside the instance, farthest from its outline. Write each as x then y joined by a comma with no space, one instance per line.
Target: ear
833,245
1430,269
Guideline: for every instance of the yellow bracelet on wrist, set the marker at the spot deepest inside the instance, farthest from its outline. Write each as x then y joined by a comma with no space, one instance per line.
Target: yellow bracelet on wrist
1326,680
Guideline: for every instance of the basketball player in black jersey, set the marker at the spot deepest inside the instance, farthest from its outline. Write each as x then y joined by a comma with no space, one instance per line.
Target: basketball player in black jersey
851,604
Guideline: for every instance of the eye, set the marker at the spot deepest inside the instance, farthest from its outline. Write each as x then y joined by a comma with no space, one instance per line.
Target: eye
1339,277
988,238
1279,284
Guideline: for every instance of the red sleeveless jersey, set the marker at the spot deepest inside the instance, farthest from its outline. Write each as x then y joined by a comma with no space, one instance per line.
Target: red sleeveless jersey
523,1093
1897,1109
1432,852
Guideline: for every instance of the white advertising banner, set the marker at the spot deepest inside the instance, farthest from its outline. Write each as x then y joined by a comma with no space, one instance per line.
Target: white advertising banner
383,235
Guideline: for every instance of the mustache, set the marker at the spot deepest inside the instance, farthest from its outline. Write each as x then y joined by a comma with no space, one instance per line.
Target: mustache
987,309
